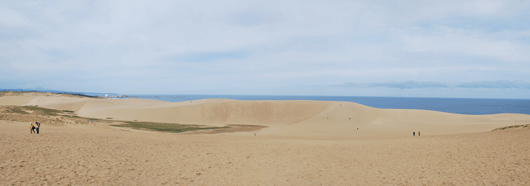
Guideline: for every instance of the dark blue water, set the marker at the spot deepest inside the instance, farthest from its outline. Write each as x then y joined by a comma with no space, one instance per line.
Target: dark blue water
451,105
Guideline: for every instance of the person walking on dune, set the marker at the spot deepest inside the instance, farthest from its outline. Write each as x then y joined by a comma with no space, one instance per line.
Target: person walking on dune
418,133
32,127
413,133
37,126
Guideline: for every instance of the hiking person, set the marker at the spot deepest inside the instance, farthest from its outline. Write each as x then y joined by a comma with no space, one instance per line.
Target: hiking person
37,126
413,133
32,127
418,133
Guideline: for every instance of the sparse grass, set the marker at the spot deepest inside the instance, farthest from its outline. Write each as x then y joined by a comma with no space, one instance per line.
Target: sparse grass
13,109
42,111
31,109
37,111
162,127
513,126
43,115
165,127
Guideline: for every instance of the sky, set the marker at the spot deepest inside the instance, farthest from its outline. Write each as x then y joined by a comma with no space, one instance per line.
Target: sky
457,49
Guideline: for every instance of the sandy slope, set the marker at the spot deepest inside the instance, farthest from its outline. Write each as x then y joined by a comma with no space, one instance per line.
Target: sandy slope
87,154
307,143
284,118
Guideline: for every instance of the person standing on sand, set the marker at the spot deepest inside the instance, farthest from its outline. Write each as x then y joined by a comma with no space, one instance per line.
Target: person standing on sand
413,133
32,127
37,126
418,133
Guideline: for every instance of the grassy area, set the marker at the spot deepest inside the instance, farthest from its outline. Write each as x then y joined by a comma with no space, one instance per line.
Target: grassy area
36,110
513,126
43,111
17,110
165,127
41,115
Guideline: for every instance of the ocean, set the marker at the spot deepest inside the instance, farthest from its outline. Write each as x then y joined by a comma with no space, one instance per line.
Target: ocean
450,105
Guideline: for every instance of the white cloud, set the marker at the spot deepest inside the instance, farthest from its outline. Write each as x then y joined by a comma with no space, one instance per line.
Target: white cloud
274,43
460,42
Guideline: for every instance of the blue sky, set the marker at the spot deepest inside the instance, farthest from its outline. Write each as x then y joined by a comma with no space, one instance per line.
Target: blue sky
468,49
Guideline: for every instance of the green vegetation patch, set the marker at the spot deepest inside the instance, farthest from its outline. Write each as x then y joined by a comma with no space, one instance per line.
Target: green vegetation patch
43,111
513,126
14,109
165,127
35,110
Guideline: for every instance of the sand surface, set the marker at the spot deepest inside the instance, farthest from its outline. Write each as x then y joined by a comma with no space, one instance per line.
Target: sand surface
283,118
306,143
82,154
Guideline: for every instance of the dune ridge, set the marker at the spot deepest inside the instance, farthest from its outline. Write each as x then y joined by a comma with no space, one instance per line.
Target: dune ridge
305,143
283,118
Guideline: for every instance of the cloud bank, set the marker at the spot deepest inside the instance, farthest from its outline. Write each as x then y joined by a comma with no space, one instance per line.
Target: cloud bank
266,47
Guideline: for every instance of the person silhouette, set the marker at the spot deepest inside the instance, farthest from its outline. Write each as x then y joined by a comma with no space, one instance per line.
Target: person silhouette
32,127
413,133
37,126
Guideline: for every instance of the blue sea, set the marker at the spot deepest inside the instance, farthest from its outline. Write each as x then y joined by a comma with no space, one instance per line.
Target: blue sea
470,106
450,105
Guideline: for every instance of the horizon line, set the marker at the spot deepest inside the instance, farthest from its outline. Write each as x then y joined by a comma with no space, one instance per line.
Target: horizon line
87,94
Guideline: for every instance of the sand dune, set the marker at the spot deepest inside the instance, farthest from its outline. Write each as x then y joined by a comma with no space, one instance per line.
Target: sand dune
306,143
98,155
284,118
16,100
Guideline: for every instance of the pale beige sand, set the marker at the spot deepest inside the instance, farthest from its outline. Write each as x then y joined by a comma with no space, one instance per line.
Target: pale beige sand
283,118
306,143
86,154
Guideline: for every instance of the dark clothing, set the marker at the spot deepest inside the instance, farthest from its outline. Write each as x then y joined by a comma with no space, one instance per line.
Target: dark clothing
38,127
32,130
413,133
